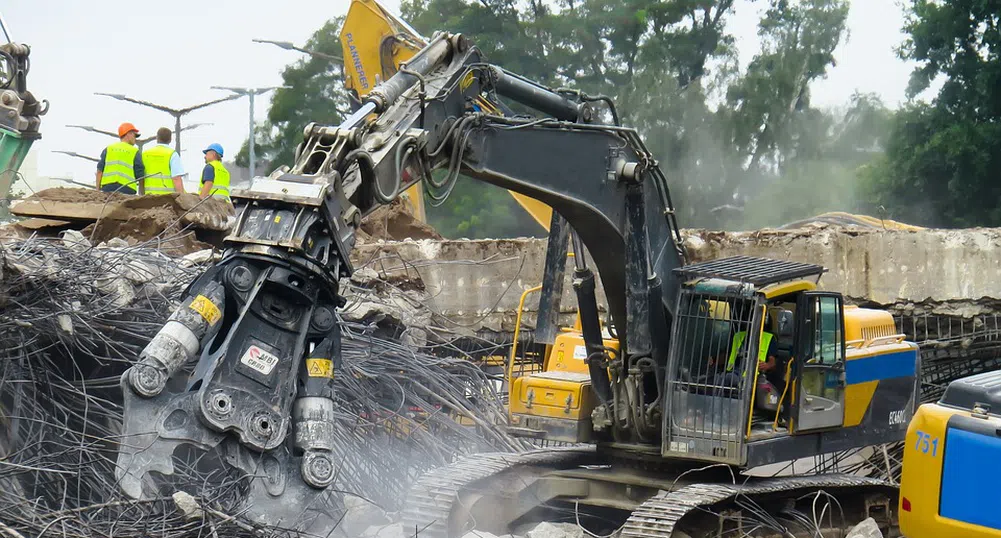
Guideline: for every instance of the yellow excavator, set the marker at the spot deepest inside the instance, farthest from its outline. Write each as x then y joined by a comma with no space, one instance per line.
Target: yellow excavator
375,42
704,374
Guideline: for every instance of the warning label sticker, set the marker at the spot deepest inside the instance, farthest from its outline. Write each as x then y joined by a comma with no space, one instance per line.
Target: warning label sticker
207,309
259,360
580,352
320,368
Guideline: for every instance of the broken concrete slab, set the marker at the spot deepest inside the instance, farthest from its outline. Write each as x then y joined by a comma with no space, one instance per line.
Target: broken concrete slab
866,529
73,204
935,272
556,530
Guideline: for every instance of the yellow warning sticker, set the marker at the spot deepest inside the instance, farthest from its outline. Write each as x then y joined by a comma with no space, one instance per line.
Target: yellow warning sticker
207,309
278,218
320,368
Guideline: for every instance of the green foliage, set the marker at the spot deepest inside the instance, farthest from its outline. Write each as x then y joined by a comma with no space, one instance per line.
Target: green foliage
478,210
314,92
743,139
942,159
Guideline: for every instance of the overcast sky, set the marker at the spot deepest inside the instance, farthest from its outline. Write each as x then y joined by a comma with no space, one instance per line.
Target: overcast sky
173,52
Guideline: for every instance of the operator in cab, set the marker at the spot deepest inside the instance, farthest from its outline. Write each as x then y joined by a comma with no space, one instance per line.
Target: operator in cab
215,177
121,165
765,355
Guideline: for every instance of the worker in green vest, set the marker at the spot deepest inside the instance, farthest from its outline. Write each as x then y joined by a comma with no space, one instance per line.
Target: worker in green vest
121,165
164,171
215,177
766,352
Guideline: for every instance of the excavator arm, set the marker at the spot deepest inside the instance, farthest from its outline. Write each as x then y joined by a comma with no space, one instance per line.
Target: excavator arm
260,325
375,43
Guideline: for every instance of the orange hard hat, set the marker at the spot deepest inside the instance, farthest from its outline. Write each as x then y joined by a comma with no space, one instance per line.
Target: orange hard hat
125,128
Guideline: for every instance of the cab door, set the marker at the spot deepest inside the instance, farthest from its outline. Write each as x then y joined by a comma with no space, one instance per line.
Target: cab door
820,362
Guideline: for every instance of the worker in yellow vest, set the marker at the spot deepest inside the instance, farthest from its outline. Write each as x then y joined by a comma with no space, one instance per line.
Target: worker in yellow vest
164,171
215,177
766,357
765,354
121,165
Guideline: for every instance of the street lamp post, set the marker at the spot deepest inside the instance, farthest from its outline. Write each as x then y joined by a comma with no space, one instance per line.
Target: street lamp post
289,46
77,155
175,112
250,93
139,141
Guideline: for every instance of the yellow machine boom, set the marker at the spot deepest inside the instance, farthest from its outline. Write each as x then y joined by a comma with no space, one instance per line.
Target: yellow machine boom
375,42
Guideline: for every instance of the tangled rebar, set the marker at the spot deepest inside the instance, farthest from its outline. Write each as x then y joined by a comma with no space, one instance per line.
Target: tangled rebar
72,318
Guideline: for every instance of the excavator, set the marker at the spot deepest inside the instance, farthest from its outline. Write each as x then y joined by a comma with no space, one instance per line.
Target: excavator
20,111
705,372
948,483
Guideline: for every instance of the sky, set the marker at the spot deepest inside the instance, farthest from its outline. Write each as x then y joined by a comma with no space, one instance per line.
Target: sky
173,52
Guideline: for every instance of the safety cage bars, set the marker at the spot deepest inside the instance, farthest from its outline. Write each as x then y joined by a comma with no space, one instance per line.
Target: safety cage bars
710,401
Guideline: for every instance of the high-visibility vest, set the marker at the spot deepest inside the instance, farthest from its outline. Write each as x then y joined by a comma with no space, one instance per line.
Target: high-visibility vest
220,185
119,165
738,340
157,162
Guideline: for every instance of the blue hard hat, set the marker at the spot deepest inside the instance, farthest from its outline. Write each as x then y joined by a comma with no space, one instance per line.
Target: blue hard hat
214,147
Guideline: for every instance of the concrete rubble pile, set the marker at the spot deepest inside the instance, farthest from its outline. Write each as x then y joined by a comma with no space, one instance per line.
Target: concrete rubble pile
73,315
88,278
191,224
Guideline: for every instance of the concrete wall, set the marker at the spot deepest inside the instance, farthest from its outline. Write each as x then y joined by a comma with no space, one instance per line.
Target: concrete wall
478,284
952,269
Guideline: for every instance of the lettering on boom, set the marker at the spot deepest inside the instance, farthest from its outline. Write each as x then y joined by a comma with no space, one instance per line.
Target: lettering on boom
356,59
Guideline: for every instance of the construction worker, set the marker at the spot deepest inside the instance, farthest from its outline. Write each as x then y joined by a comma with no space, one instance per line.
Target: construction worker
121,163
765,354
164,171
215,177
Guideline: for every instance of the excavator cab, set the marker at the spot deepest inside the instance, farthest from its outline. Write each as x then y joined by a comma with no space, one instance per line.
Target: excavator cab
765,368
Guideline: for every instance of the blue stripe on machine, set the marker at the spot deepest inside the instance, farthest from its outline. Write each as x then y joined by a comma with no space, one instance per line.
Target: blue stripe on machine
887,366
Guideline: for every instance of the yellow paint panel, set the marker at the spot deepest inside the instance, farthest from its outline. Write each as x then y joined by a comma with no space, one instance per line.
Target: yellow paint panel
921,479
784,288
365,29
539,211
551,398
570,353
857,400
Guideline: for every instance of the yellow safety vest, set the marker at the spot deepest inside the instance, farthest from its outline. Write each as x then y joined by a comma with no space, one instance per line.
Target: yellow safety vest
157,162
220,185
738,340
119,165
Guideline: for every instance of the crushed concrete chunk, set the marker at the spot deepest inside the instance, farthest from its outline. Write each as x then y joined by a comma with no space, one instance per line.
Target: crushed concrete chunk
361,516
188,505
75,240
556,530
65,323
484,534
394,530
197,258
866,529
115,242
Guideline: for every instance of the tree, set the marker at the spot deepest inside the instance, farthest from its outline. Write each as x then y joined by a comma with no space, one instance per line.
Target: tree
942,158
723,135
314,92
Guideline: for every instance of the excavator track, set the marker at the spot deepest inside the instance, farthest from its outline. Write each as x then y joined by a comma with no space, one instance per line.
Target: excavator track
659,516
428,507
